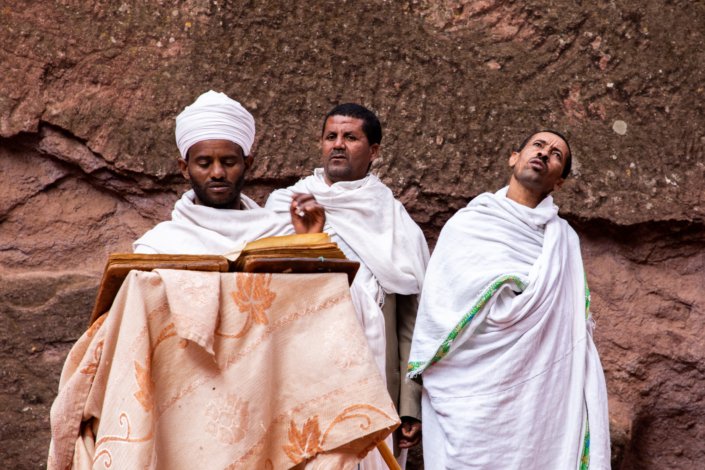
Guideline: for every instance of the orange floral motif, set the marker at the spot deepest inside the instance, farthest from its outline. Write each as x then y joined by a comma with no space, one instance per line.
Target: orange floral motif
92,368
169,331
252,298
124,422
229,418
304,444
145,395
355,412
96,325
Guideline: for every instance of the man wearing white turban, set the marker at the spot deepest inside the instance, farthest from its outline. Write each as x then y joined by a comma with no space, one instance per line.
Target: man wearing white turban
371,227
215,136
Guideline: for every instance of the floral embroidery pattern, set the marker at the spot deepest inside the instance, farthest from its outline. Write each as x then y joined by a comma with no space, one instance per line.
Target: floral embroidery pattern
145,395
253,298
197,288
234,359
345,344
92,368
96,325
124,422
308,442
304,444
169,331
354,412
229,418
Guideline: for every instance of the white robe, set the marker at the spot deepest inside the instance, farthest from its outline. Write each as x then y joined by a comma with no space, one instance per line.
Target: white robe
202,230
371,227
511,375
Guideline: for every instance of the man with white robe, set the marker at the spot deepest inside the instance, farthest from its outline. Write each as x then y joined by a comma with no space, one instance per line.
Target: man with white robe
215,135
503,339
371,227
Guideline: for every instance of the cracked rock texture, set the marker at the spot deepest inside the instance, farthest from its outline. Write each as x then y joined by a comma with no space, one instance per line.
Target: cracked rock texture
90,89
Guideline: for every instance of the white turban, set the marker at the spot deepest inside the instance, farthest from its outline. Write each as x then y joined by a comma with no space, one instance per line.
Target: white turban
215,116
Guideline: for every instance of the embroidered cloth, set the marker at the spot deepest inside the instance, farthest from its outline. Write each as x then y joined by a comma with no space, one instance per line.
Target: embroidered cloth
371,227
511,375
221,371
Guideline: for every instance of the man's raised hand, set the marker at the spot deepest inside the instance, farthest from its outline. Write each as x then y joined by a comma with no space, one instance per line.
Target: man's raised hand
307,215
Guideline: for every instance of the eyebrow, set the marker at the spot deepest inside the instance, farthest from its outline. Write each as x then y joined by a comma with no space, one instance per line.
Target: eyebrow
211,156
544,142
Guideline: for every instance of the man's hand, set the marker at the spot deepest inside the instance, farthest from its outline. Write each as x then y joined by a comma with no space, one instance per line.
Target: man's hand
307,216
410,432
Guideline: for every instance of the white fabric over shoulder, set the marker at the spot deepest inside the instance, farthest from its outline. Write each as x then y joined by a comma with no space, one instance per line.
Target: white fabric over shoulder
214,116
202,230
510,373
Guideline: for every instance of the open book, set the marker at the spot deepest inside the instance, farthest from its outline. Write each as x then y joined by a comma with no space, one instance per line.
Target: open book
307,253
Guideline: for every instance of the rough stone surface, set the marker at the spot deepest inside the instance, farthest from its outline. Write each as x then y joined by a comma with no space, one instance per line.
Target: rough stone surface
90,88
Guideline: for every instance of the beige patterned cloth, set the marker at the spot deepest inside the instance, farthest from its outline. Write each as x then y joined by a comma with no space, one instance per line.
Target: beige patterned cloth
221,371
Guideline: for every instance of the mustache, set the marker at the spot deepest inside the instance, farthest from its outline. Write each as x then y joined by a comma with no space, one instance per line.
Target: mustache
338,152
219,182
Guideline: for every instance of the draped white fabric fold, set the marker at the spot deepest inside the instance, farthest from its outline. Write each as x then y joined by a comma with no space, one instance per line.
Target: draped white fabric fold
202,230
371,227
510,372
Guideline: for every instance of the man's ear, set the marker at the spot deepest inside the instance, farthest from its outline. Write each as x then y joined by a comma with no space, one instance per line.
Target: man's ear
559,184
183,166
248,161
514,159
374,152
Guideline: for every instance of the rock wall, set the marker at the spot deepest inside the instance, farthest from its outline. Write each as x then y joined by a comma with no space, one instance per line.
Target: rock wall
90,89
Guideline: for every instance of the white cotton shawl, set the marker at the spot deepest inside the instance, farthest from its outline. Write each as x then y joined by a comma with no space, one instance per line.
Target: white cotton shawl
371,227
214,116
202,230
510,381
373,224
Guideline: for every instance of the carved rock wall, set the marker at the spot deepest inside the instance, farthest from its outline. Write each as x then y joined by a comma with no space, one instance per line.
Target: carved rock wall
87,159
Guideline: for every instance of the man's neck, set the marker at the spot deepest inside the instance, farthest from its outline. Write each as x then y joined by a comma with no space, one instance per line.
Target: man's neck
329,182
523,195
236,205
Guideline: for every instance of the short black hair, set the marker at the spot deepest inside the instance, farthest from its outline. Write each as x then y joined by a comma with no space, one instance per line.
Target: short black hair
370,124
569,161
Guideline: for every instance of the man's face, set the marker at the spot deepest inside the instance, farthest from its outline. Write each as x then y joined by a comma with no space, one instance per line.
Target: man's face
346,151
216,170
540,163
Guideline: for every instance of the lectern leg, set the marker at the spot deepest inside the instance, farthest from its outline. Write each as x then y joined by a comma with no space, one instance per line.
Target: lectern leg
388,456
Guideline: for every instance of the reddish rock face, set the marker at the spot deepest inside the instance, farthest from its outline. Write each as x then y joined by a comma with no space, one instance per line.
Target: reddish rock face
90,89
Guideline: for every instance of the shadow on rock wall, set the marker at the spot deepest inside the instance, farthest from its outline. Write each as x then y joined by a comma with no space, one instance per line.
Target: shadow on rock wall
87,159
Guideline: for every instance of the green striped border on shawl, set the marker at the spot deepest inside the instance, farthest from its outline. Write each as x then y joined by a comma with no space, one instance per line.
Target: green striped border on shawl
445,346
489,292
585,458
587,298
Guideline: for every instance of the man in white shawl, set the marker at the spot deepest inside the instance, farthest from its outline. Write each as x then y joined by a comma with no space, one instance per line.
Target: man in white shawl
503,339
215,136
371,227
